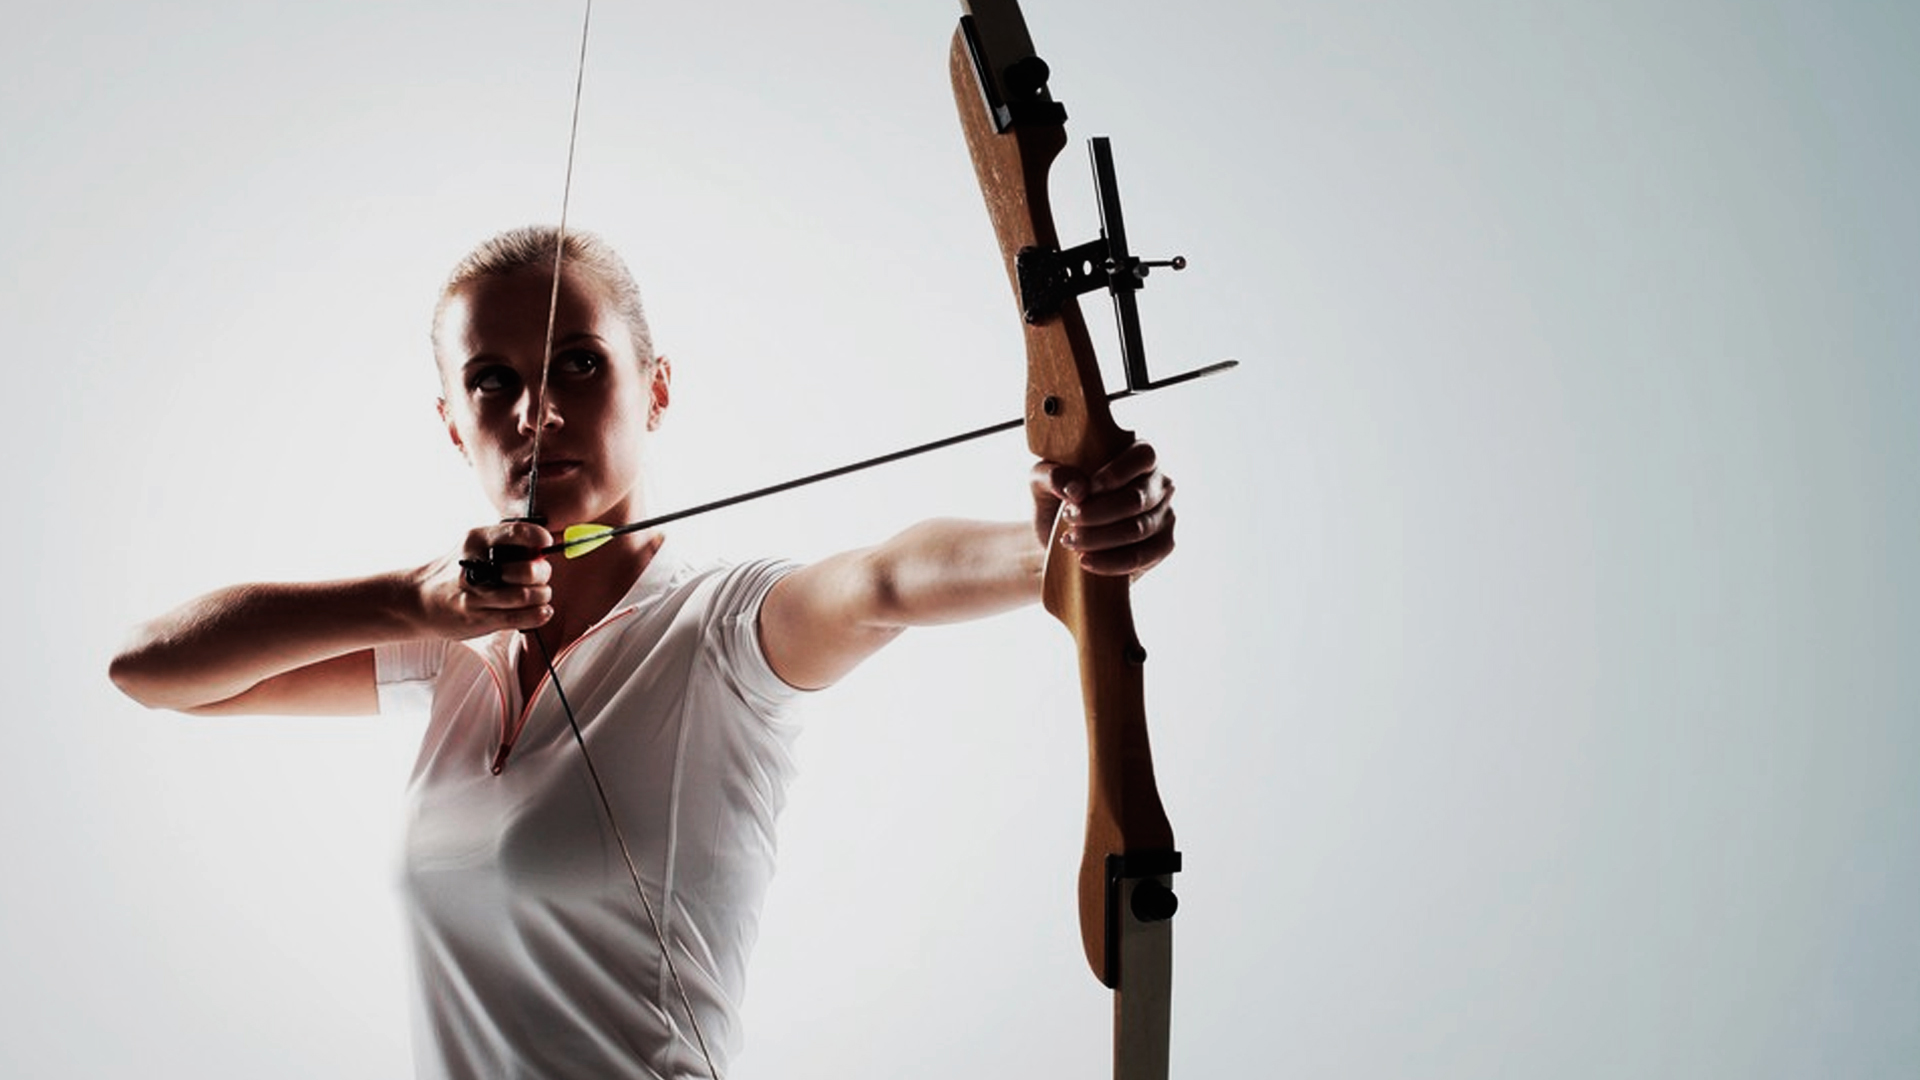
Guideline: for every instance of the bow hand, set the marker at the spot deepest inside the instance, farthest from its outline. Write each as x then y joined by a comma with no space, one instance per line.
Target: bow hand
1118,520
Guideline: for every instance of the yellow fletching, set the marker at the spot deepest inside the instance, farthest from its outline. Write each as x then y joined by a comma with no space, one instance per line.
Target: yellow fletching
581,539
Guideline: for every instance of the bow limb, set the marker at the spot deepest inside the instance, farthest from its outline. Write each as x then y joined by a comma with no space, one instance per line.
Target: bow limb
1014,132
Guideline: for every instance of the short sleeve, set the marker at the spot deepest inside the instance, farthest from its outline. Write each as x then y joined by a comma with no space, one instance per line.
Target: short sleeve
403,675
735,635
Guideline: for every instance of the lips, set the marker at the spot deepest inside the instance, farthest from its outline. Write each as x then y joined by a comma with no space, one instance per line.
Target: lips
550,469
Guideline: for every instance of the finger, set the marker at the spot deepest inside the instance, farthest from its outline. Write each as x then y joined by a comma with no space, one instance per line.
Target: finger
1136,461
522,618
1128,531
526,572
1060,481
1141,497
1132,559
507,550
524,534
529,618
504,607
500,599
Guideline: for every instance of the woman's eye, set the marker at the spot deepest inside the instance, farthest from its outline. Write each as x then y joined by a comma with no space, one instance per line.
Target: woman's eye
492,380
578,362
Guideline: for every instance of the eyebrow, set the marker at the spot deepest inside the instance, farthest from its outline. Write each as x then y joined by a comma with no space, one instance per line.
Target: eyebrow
577,337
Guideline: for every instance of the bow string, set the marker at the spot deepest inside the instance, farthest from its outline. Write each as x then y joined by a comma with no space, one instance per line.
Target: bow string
489,572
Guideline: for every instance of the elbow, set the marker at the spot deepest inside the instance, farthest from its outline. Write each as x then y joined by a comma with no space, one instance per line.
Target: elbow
135,678
135,673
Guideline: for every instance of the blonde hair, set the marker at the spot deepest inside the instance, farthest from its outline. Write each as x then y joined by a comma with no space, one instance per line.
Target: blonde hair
531,247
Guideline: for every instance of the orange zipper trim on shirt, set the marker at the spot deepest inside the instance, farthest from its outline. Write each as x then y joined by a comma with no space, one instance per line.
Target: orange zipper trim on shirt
511,734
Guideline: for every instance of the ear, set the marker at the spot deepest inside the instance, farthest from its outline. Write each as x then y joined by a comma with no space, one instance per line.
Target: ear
453,432
659,392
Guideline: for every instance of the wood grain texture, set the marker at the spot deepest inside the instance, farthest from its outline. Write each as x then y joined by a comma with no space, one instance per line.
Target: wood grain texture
1068,421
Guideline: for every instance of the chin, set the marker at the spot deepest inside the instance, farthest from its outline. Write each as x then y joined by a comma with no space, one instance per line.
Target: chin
562,511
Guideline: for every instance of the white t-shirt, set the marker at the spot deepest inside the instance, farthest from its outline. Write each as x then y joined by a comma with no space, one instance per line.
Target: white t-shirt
534,956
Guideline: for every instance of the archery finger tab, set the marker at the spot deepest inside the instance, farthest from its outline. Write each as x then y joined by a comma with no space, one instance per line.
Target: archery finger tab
490,572
480,573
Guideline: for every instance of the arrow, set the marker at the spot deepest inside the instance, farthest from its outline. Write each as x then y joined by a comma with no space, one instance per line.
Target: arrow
578,540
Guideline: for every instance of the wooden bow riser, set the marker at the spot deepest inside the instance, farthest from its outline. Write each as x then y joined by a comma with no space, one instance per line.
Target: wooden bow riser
1068,421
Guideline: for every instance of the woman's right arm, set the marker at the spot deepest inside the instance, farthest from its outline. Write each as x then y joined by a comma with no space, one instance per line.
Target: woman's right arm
300,648
307,648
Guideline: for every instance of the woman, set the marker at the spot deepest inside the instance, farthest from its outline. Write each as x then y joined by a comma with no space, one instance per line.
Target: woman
536,954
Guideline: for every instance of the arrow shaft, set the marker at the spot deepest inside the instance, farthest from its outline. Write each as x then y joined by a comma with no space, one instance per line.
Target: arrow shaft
857,466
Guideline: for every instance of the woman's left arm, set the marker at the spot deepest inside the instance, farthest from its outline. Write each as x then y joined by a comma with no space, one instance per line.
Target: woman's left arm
822,620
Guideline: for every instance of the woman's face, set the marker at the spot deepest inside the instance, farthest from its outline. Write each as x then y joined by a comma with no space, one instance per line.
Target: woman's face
601,398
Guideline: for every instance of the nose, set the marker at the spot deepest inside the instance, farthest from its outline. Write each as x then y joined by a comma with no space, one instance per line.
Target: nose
533,403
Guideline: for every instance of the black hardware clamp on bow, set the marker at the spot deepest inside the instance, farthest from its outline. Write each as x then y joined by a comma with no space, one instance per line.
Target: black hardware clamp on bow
1048,278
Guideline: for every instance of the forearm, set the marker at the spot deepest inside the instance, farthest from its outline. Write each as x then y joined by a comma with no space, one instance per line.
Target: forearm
946,571
822,620
225,643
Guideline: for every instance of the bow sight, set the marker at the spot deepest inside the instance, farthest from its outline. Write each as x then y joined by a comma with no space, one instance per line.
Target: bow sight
1048,278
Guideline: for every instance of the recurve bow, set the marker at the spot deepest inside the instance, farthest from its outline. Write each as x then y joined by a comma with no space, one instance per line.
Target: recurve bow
1014,130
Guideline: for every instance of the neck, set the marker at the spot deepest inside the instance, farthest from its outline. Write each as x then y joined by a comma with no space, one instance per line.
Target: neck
585,589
